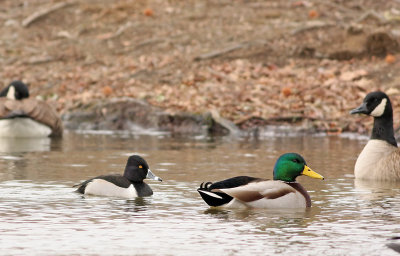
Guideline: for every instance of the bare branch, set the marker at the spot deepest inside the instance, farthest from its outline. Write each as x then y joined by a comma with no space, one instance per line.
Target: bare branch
218,53
43,12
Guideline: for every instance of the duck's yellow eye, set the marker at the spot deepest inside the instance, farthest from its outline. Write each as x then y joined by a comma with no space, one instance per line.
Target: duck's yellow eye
140,166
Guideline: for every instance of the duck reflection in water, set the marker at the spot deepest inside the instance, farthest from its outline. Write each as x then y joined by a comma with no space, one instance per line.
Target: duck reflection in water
138,204
264,219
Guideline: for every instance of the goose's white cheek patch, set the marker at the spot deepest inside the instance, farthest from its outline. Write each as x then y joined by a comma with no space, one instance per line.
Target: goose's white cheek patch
11,93
378,111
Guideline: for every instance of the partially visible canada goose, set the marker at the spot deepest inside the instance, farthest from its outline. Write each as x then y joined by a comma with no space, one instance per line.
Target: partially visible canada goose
393,245
21,116
281,192
128,185
380,158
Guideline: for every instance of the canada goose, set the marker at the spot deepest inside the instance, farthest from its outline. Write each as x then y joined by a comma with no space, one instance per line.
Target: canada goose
21,116
281,192
380,158
393,245
128,185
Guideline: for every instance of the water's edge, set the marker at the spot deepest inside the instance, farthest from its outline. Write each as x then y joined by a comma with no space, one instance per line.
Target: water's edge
132,115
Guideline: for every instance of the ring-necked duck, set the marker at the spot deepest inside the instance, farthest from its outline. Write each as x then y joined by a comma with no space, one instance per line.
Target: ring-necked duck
128,185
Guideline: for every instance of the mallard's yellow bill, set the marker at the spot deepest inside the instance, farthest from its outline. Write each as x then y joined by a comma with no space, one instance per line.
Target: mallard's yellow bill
310,173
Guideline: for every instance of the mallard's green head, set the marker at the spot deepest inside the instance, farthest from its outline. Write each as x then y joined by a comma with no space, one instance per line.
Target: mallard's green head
290,165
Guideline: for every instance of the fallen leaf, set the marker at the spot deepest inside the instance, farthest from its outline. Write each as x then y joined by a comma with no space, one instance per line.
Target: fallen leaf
148,12
353,75
302,4
104,36
390,59
392,91
286,91
313,14
363,83
107,91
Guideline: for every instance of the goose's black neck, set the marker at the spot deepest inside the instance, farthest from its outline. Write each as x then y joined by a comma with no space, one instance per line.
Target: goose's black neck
383,129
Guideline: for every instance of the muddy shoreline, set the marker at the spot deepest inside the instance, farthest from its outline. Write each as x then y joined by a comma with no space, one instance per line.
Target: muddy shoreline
254,64
130,115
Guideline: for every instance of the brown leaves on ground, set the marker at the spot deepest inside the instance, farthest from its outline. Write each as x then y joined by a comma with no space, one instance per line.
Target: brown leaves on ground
114,49
324,92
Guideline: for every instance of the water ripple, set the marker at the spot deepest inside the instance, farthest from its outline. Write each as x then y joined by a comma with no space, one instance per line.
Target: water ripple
41,213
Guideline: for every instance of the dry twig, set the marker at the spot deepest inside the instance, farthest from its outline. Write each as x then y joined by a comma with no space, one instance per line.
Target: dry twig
335,6
39,60
141,44
218,53
310,25
373,14
43,12
120,30
149,41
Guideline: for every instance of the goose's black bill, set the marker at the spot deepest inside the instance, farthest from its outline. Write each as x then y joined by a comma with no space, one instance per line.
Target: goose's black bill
362,109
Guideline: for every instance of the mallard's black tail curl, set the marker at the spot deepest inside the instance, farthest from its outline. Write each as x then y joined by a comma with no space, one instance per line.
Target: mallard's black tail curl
213,198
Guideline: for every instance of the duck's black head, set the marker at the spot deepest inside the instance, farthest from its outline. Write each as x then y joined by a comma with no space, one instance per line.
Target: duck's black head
376,104
137,169
16,90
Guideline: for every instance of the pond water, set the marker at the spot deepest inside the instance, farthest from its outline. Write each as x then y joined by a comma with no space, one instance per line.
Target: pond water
41,215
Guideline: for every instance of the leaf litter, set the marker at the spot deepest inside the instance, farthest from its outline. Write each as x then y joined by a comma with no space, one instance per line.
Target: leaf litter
239,58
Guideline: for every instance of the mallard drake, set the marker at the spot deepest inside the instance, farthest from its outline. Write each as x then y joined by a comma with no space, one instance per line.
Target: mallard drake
380,158
21,116
128,185
281,192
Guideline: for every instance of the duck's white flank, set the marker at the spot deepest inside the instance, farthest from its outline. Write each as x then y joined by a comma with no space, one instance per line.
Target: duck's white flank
270,189
378,111
23,127
291,200
371,162
102,187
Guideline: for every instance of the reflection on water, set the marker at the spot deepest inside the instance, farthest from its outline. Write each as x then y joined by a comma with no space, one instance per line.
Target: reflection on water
10,145
39,211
